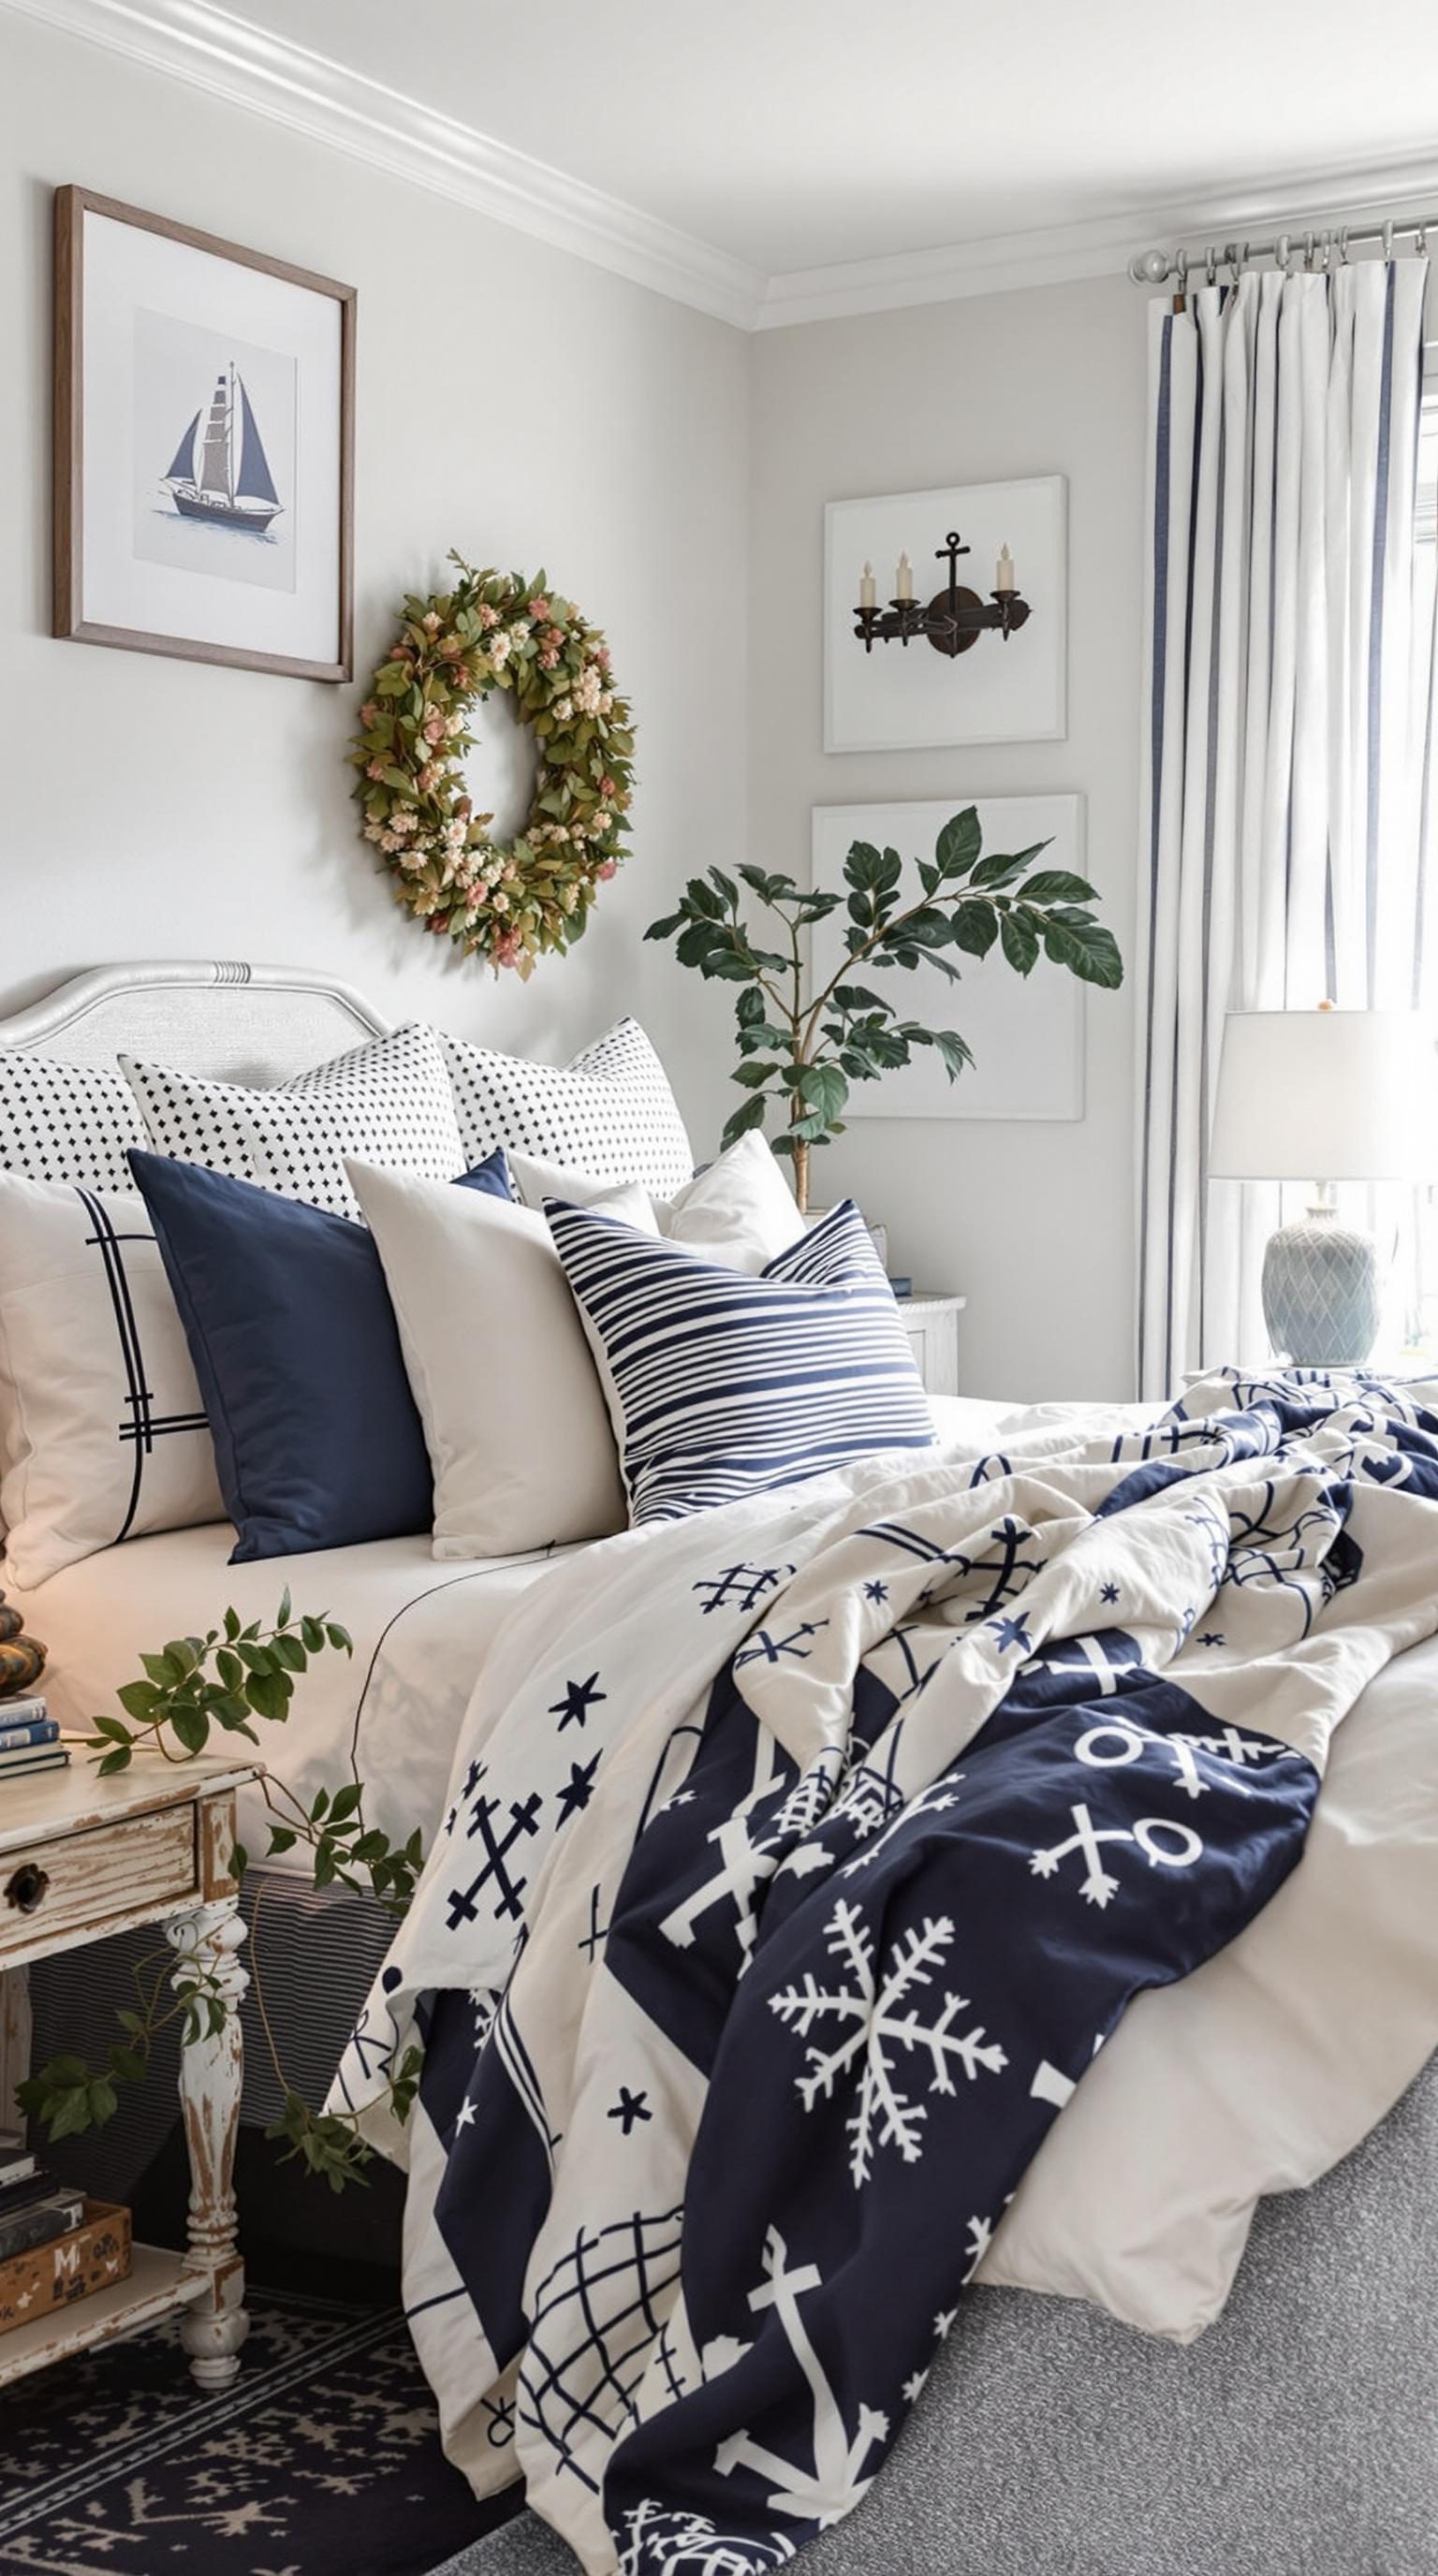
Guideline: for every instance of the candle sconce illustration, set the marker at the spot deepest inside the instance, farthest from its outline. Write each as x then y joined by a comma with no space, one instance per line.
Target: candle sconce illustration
954,619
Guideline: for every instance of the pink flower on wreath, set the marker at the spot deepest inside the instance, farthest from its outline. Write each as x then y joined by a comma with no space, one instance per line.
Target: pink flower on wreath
434,725
539,608
601,655
488,616
369,711
374,769
606,785
610,868
398,653
506,951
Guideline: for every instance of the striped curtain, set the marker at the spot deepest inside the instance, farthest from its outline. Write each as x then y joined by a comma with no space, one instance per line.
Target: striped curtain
1283,738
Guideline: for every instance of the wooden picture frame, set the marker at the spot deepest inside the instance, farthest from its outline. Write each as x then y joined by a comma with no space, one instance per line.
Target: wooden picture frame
304,595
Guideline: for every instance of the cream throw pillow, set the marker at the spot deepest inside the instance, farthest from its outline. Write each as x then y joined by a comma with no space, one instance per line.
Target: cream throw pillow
514,1415
740,1211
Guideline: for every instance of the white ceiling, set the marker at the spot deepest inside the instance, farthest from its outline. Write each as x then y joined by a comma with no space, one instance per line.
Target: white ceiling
792,134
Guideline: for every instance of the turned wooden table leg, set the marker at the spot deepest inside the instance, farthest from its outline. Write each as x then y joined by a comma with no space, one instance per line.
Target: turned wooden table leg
208,1939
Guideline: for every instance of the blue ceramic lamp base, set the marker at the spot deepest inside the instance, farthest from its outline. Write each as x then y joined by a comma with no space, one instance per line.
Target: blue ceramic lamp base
1321,1292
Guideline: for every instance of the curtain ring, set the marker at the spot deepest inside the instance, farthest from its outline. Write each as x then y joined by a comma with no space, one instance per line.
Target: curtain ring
1420,240
1210,263
1284,254
1388,241
1343,246
1308,250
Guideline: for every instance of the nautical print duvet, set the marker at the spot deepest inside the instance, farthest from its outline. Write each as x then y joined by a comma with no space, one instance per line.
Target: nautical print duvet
799,1858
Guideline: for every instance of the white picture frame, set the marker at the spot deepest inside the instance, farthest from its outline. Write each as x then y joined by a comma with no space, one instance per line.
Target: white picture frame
1027,1033
908,697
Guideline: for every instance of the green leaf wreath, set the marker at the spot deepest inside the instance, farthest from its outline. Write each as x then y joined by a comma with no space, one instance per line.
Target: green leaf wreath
511,901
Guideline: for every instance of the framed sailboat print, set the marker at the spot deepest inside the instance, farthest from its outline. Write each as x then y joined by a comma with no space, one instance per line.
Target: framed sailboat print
204,445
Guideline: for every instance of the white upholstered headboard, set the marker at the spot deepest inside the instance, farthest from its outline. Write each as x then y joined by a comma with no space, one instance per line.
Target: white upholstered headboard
234,1022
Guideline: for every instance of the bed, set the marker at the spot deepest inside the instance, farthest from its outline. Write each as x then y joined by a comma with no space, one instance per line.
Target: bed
1355,2036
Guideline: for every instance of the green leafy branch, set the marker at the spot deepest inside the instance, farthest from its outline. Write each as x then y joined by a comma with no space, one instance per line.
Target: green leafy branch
194,1687
801,1050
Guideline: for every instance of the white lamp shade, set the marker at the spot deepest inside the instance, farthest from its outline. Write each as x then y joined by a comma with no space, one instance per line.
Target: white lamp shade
1326,1096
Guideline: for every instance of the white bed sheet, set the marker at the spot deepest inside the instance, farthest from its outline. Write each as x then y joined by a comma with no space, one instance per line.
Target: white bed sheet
420,1630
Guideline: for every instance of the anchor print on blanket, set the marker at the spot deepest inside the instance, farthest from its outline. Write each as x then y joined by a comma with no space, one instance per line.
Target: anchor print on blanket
733,2068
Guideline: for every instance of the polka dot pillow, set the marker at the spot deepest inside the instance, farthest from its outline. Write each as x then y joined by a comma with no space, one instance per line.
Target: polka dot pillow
387,1102
609,1112
66,1122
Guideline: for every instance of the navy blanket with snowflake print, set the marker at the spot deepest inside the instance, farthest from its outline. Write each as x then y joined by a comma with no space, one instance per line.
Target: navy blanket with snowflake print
799,1858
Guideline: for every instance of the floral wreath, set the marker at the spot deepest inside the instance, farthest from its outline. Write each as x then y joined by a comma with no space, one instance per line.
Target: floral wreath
510,901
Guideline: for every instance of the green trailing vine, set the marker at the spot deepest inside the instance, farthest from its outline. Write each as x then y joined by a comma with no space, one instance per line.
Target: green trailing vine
192,1689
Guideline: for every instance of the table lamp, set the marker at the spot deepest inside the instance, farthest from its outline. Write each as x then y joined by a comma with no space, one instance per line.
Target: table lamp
1324,1096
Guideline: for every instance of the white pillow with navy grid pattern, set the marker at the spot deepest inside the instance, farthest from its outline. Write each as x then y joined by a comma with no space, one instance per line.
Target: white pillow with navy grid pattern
719,1384
387,1102
103,1436
608,1112
66,1122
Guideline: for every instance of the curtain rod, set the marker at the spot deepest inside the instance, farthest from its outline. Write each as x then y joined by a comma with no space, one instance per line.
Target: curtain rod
1317,249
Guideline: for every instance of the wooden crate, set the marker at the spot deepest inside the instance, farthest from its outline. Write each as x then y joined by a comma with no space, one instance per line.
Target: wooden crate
93,2256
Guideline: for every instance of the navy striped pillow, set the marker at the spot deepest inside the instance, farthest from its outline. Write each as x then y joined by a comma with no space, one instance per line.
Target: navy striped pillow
720,1384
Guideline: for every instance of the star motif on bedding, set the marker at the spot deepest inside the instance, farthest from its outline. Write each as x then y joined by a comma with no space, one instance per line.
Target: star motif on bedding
579,1698
1109,1592
876,1591
464,2116
577,1790
1013,1633
1213,1637
914,2387
872,2011
629,2108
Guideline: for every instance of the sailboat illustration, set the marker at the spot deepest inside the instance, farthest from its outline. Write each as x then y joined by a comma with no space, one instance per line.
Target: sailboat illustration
234,487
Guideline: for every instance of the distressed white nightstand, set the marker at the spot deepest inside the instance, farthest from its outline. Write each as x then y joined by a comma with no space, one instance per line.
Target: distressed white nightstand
932,1324
80,1858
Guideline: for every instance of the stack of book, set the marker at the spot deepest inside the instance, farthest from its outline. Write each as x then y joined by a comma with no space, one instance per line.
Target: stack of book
29,1739
34,2207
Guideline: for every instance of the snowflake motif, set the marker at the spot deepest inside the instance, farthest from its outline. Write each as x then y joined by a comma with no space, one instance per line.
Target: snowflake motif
876,1591
936,1800
877,2012
1213,1637
1109,1592
664,2541
981,2237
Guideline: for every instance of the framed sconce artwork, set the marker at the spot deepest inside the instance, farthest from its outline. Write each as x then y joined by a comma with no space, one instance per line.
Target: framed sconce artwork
945,617
1027,1032
204,446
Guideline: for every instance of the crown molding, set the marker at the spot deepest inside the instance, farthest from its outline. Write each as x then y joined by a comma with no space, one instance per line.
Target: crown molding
213,50
1099,246
226,55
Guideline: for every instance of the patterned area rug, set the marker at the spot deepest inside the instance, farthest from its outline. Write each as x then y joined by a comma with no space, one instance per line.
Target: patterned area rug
322,2460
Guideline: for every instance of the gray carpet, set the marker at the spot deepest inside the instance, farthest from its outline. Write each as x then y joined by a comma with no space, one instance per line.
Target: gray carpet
1298,2437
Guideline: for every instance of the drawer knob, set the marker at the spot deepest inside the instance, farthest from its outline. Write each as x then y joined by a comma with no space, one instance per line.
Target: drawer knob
26,1888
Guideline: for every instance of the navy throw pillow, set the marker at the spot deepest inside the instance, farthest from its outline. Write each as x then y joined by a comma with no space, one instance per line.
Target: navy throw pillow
295,1346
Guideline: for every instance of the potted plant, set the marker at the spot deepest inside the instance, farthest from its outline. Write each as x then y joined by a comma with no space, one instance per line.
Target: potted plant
802,1044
